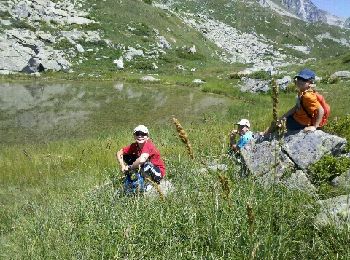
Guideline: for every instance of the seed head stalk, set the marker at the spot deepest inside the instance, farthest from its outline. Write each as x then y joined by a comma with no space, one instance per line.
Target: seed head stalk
184,137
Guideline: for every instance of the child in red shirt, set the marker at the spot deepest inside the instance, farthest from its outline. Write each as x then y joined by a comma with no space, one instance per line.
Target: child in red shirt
142,154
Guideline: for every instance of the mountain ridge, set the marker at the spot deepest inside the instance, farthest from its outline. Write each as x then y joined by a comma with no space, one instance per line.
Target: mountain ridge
159,36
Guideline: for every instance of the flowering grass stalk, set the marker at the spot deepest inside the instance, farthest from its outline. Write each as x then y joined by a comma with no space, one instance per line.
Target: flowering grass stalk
183,136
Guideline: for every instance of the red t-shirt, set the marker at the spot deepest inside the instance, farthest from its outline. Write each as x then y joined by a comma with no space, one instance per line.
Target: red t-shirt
148,147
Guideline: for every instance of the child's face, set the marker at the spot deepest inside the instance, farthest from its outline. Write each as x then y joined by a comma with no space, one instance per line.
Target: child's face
302,84
140,137
242,129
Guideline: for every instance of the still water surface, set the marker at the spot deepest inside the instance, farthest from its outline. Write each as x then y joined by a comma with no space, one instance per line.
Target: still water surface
31,112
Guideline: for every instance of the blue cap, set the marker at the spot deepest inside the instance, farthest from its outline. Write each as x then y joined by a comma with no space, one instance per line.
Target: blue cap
306,74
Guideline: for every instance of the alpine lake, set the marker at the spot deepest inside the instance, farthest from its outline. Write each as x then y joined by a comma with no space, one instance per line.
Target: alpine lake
43,112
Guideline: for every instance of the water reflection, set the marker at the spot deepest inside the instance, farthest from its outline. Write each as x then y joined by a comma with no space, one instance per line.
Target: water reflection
37,111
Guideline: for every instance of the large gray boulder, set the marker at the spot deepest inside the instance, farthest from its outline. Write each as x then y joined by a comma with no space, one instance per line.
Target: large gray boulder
305,149
266,159
289,158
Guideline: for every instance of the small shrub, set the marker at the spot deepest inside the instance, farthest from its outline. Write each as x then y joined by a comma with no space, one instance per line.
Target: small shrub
333,80
290,88
329,167
340,127
63,44
184,54
260,75
143,65
235,75
346,58
142,29
148,1
22,24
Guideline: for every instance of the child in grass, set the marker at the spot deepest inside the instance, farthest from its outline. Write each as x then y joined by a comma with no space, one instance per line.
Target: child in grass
245,135
143,155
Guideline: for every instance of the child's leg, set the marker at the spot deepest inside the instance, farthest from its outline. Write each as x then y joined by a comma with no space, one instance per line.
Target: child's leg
148,169
293,125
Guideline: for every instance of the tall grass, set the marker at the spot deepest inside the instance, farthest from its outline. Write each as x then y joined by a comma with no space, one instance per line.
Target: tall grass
49,209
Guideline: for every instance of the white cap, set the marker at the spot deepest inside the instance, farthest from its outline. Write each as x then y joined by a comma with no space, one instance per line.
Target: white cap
141,128
244,122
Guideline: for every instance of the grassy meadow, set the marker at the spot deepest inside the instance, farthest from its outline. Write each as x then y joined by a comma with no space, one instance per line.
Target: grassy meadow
57,198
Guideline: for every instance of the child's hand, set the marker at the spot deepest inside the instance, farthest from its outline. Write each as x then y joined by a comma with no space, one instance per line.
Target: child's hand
125,168
234,132
309,128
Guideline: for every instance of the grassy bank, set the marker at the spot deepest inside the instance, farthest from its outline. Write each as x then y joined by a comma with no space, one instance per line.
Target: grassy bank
55,204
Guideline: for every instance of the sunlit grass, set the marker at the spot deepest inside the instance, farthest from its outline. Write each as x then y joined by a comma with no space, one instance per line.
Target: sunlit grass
54,205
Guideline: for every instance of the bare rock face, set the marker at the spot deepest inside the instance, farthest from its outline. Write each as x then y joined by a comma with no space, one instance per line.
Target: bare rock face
29,51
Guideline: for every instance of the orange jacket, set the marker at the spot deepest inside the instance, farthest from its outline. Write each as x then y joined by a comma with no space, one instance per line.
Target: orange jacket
310,103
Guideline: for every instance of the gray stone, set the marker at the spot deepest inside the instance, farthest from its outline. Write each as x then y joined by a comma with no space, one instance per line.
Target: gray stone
163,43
287,160
307,148
149,78
80,48
342,181
283,83
254,85
299,181
266,159
192,49
198,81
334,211
5,22
34,66
341,74
119,63
164,188
131,53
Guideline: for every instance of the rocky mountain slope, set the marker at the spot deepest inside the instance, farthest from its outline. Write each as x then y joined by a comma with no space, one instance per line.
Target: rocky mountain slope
100,36
305,10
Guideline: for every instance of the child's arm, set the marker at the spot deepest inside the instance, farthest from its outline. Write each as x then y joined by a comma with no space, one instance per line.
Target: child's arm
289,112
120,159
139,161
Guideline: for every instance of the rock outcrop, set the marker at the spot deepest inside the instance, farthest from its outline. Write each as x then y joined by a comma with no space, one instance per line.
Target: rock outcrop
31,51
277,160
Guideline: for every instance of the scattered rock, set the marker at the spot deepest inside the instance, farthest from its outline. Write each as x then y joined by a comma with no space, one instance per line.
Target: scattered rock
283,83
255,85
119,63
341,74
198,81
131,53
165,188
80,48
180,67
305,149
298,181
192,50
163,43
149,78
334,211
